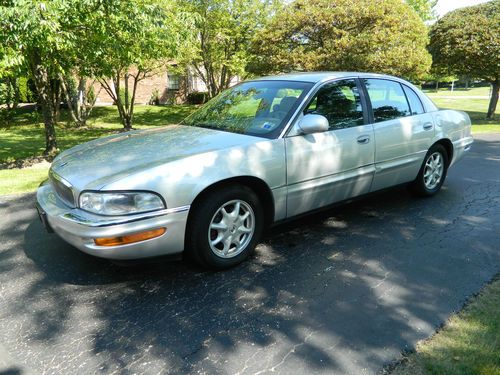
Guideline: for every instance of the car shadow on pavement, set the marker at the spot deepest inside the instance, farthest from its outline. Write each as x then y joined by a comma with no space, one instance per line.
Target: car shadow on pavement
336,291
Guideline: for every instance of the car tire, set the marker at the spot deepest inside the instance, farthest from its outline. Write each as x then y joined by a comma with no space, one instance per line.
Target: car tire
432,173
218,237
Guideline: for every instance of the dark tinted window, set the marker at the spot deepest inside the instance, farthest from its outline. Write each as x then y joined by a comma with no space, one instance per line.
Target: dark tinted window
387,98
340,103
415,103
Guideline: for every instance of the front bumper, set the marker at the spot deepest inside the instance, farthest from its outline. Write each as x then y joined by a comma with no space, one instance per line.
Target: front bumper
80,228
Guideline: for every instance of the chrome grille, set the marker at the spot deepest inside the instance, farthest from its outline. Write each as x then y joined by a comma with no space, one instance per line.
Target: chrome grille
62,188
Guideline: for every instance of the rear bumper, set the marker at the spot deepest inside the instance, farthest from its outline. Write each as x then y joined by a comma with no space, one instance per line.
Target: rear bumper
460,148
80,228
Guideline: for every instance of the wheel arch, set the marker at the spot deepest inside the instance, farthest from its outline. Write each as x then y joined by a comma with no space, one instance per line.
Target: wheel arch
257,185
448,146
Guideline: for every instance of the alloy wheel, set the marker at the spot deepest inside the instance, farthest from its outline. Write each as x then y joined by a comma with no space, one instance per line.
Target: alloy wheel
231,228
433,171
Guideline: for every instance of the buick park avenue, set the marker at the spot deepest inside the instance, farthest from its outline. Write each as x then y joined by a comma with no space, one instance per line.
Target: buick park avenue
261,152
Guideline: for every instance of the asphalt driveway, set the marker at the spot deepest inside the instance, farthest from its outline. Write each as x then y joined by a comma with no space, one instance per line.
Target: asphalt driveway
341,292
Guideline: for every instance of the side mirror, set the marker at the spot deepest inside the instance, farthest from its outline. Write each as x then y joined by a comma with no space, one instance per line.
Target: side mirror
313,124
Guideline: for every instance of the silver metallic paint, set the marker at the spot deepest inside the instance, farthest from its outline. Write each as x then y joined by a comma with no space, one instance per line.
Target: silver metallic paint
303,172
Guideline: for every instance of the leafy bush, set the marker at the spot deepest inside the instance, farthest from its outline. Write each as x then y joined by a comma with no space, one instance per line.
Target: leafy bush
31,93
72,89
3,92
24,90
197,97
91,97
155,98
16,90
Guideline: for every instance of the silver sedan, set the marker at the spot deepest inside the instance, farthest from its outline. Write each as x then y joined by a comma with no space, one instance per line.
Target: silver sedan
261,152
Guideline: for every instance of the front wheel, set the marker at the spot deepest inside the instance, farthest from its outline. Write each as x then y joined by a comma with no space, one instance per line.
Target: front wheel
225,227
432,173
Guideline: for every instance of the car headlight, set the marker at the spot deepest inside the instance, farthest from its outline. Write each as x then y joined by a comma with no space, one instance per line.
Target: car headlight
120,203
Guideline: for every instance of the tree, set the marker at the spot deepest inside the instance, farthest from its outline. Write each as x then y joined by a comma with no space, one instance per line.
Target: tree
466,42
224,31
118,42
33,34
378,36
424,8
131,41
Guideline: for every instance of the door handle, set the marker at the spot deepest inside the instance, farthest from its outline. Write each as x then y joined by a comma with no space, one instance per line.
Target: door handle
428,126
363,139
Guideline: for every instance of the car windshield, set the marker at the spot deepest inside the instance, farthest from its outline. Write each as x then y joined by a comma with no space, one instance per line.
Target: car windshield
258,108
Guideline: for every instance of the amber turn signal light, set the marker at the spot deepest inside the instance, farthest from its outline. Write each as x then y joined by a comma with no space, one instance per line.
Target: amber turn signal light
130,238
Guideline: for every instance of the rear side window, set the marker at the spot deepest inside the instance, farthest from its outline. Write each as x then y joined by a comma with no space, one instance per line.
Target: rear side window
388,99
415,104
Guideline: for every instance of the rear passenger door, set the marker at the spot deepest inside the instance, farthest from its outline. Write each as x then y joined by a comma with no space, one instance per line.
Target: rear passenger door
403,132
327,167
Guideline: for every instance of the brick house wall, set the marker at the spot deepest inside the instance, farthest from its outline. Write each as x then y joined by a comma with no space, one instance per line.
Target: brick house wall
170,89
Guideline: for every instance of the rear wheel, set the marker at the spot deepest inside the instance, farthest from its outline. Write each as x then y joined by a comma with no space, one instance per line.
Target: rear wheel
225,227
432,173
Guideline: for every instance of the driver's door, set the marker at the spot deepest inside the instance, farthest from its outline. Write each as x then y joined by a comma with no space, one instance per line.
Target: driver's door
323,168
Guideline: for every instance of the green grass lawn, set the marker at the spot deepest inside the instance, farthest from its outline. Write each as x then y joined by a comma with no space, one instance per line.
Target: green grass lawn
476,108
15,181
475,91
23,135
469,343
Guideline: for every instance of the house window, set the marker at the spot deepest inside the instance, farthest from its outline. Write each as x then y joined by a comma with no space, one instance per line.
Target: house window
173,81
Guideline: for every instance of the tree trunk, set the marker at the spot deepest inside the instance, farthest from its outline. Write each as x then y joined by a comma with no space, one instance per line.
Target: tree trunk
14,96
17,94
8,96
71,105
55,96
125,103
79,108
493,100
122,103
81,101
46,101
437,85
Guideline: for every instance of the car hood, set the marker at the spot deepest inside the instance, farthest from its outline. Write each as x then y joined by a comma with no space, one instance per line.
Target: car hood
94,164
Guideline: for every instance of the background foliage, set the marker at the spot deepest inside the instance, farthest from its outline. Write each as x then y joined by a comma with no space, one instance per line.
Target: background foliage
51,51
384,36
466,42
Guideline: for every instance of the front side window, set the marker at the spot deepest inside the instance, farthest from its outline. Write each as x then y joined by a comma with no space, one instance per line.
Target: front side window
340,103
387,98
259,108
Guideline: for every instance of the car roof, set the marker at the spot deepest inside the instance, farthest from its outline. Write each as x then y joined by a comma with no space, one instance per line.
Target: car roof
315,77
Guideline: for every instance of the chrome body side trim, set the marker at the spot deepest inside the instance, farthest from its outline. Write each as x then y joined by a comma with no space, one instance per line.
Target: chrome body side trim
91,220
